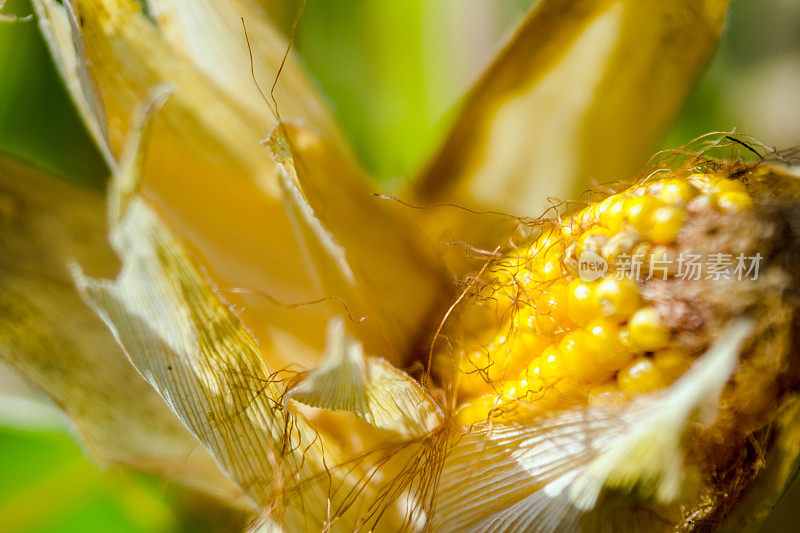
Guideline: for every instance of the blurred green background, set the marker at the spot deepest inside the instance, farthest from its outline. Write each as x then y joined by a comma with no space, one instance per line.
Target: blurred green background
391,71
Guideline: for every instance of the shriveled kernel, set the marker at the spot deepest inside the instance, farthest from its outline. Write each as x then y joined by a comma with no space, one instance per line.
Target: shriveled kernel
608,349
594,239
654,188
582,303
703,202
617,299
638,212
641,375
673,362
620,244
734,201
647,331
588,216
661,261
701,181
666,223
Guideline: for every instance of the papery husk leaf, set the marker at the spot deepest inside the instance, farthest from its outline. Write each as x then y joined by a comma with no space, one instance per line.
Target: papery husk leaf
369,258
580,94
339,383
189,345
208,179
399,403
371,389
57,25
206,173
191,349
196,354
49,335
210,33
169,323
588,468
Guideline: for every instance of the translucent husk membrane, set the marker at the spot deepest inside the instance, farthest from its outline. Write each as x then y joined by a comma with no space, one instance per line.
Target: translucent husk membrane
620,298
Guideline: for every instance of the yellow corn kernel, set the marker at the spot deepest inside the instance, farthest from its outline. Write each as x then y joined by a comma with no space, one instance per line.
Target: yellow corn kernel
665,224
547,366
647,331
559,394
638,212
579,358
526,347
613,217
582,303
547,270
501,359
605,394
568,229
617,299
501,363
516,389
677,192
549,386
607,347
549,245
722,185
476,410
473,369
603,207
551,309
641,375
733,201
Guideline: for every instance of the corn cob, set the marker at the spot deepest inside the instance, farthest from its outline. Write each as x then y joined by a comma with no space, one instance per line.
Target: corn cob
569,339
